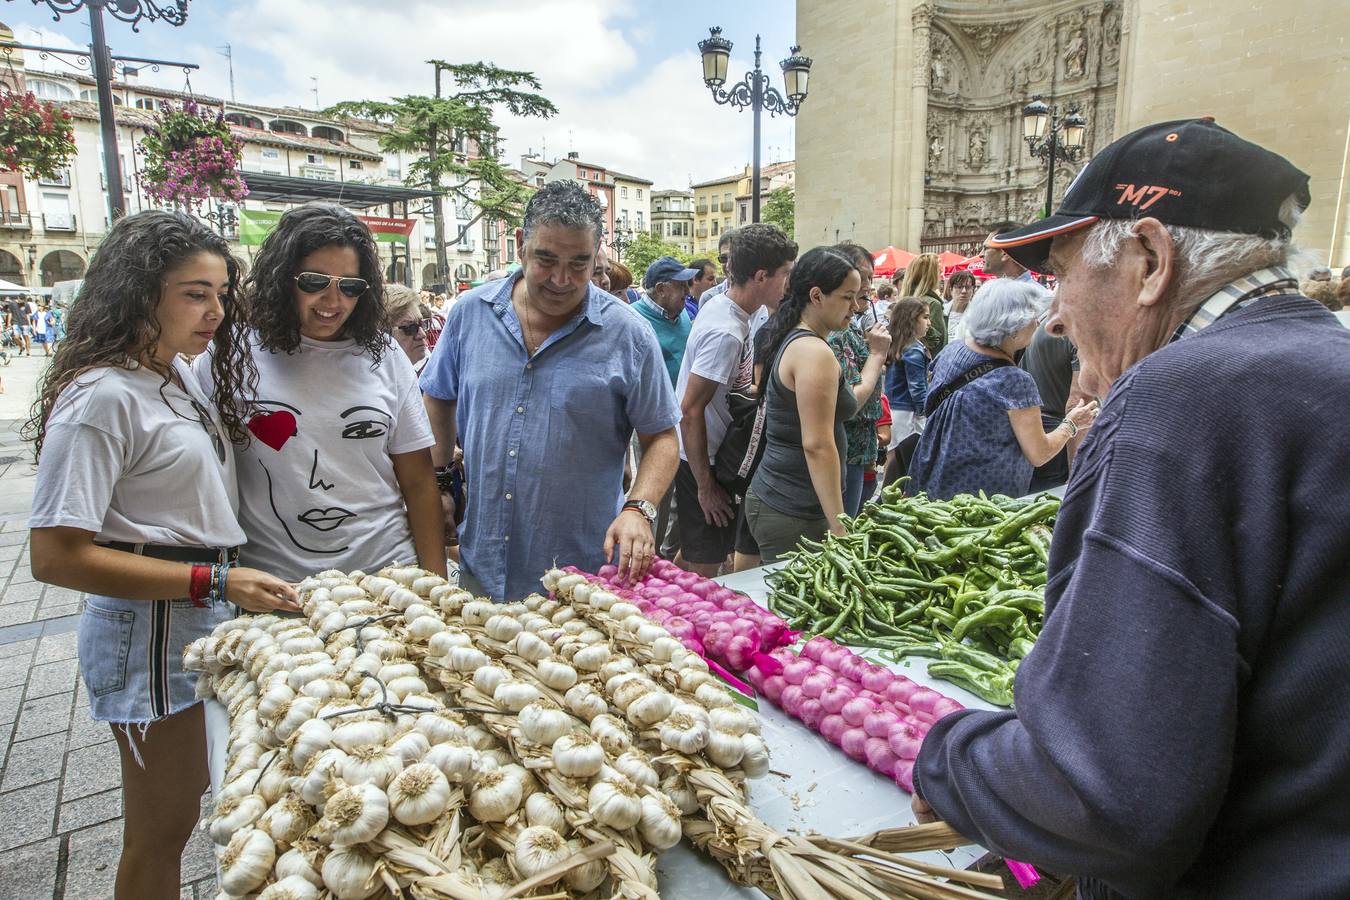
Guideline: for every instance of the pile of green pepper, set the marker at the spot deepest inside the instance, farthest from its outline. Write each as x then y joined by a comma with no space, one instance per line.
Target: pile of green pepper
960,581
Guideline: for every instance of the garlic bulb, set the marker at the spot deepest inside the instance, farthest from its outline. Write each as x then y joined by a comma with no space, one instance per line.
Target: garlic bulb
371,766
410,747
543,724
542,808
466,659
386,648
234,813
303,674
349,873
419,794
539,848
314,783
351,733
439,726
287,820
660,823
649,709
723,749
310,739
400,669
495,797
531,647
457,761
328,688
591,658
275,780
681,794
516,695
578,755
663,648
290,888
424,585
294,863
424,628
583,701
649,633
300,710
587,876
556,674
502,628
353,815
635,764
486,678
478,612
406,686
712,696
246,861
683,733
615,803
479,737
731,719
274,699
755,762
603,600
623,610
443,642
617,666
611,734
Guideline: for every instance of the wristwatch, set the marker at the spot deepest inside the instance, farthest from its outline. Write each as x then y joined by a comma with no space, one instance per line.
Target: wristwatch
647,508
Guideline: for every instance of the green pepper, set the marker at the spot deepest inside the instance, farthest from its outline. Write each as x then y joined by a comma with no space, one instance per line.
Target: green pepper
1019,647
954,651
993,687
1006,616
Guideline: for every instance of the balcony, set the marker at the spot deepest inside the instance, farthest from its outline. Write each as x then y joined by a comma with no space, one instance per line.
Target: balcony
728,206
58,222
21,221
702,209
702,233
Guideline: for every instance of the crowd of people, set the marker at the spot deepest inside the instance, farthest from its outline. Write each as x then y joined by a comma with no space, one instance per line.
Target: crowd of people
207,438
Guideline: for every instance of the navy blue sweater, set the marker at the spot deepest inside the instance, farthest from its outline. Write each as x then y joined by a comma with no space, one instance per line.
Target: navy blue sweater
1182,727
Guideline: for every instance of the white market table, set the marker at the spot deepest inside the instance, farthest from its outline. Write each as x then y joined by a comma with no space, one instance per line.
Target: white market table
812,785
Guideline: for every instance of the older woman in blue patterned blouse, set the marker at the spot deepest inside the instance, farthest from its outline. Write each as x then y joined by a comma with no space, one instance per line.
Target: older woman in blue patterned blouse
987,433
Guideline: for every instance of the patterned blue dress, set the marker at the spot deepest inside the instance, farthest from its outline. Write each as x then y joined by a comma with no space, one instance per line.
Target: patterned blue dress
968,445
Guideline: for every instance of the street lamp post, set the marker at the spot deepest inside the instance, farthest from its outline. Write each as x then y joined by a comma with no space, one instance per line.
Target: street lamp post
621,240
754,91
1049,137
131,12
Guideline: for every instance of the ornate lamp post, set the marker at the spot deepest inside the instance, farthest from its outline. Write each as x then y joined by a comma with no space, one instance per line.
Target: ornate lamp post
621,240
1049,137
132,12
755,90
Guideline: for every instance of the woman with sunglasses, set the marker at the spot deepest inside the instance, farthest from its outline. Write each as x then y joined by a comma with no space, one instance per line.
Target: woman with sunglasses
135,504
340,474
407,320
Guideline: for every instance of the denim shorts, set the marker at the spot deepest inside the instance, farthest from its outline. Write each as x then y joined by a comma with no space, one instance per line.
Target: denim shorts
131,655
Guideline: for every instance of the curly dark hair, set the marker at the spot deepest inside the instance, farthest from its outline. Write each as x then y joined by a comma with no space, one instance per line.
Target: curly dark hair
904,320
820,267
112,321
270,286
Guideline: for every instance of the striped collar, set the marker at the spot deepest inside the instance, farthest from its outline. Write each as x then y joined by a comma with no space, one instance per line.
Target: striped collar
1235,295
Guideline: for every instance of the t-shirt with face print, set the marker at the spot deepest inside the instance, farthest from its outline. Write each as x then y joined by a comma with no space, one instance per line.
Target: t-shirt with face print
316,483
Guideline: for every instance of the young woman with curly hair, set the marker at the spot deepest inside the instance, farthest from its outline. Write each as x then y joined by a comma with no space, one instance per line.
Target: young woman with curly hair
339,475
135,504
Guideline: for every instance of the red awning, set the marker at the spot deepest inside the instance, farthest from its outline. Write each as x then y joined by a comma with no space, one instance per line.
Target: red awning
886,263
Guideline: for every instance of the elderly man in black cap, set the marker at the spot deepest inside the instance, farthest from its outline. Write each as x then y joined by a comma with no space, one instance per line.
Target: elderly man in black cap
1180,727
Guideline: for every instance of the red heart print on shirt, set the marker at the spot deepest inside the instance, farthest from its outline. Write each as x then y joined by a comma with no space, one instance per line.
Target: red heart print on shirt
274,429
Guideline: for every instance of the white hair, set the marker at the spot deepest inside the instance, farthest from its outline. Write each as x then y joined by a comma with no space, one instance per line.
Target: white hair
1206,260
1003,307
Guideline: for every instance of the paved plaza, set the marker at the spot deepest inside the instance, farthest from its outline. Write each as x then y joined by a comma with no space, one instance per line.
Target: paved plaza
60,804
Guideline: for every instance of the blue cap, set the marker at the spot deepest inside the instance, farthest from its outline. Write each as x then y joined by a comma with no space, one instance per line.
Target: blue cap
667,268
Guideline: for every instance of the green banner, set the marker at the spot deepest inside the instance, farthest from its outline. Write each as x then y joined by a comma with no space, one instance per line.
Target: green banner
256,224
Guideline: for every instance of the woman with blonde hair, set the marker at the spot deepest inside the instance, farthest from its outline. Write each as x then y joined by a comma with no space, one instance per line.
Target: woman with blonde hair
406,320
923,279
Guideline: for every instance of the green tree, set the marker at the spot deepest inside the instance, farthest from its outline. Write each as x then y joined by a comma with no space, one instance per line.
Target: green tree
439,129
644,250
780,208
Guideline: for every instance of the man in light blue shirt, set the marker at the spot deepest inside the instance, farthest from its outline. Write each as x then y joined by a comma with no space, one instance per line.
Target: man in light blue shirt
543,378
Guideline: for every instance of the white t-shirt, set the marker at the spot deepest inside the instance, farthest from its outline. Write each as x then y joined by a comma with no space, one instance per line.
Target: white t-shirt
719,350
316,483
129,458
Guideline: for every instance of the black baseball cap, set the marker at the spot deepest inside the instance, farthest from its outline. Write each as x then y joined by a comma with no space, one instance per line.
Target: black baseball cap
1190,172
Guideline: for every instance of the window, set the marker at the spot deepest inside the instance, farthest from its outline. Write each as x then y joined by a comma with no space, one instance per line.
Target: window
623,193
355,165
581,173
714,227
245,121
393,172
314,159
639,220
726,198
271,153
639,196
145,103
50,90
510,249
328,134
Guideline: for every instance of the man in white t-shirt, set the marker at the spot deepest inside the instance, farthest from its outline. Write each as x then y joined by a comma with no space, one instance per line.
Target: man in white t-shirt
717,360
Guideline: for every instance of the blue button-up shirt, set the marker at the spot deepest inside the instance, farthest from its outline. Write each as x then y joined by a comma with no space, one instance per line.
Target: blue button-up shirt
544,437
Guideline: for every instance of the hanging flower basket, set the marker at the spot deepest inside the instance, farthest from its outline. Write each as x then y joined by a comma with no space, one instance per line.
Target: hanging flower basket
191,156
36,138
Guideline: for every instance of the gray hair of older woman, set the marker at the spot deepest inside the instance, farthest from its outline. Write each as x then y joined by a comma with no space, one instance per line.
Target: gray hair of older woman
1003,307
399,300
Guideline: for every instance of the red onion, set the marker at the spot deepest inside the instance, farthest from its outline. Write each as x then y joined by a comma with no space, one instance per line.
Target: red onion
773,687
854,743
832,728
904,774
879,756
740,652
877,678
900,690
817,683
904,741
856,710
796,671
836,696
879,723
811,714
792,698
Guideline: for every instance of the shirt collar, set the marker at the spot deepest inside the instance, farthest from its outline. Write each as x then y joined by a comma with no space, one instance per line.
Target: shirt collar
1236,294
592,305
655,308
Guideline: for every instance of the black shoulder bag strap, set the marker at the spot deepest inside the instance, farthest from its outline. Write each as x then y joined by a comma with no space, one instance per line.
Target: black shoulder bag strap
936,399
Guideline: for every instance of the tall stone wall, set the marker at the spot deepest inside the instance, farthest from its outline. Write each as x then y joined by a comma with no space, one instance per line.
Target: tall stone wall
1276,74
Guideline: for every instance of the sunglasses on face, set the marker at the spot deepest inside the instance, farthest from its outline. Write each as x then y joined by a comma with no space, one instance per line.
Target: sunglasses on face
411,328
317,283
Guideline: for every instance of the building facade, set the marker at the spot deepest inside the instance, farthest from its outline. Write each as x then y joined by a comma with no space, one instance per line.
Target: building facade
725,203
944,85
625,199
673,218
632,204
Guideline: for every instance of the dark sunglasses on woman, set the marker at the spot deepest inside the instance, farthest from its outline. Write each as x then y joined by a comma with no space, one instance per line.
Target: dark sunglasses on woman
411,328
317,283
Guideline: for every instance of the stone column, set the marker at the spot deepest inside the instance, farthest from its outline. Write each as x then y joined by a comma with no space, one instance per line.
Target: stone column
921,18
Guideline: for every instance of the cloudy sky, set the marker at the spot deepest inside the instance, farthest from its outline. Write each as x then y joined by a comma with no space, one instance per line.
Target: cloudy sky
624,74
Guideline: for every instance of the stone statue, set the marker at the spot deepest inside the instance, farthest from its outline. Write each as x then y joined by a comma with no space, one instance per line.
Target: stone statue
976,149
1075,55
938,72
934,149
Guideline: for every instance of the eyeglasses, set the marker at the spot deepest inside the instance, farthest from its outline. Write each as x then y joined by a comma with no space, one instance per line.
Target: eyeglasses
722,258
411,328
317,282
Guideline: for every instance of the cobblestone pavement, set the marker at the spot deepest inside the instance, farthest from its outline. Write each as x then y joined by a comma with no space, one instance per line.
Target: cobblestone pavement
60,800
